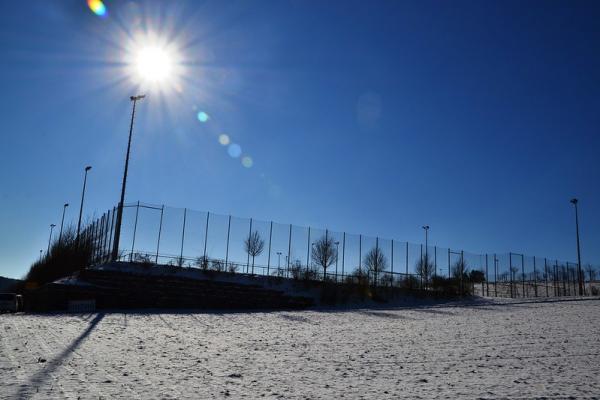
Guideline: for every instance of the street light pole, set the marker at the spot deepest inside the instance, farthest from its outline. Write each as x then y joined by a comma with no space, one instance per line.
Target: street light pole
574,202
50,238
115,250
82,197
62,221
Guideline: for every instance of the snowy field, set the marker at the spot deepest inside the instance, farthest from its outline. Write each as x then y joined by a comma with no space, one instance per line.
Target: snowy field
500,349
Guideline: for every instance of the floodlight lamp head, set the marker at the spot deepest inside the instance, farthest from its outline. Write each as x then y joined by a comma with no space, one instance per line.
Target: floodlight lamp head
138,97
88,168
574,201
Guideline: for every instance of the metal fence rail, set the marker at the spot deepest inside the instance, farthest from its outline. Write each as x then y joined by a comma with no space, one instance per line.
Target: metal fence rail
189,238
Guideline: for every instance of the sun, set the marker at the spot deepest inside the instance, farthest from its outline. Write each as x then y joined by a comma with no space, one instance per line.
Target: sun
153,64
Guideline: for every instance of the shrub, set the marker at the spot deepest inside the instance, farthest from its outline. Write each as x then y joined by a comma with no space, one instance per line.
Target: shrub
65,257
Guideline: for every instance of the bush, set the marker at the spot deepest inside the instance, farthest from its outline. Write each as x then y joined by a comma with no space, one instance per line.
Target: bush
65,257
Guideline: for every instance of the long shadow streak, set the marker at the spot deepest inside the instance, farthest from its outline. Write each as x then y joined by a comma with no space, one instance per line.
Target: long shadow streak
43,375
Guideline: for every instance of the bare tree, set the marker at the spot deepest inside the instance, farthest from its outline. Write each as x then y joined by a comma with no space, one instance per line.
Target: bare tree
254,245
425,268
324,253
376,262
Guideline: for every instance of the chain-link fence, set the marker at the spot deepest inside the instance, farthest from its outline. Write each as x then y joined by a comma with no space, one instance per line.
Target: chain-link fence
188,238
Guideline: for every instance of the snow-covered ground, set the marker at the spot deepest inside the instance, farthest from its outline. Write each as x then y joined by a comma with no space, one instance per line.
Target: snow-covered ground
500,349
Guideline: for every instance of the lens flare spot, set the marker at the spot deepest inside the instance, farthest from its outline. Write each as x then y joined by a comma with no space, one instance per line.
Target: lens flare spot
97,7
224,139
203,117
234,150
247,161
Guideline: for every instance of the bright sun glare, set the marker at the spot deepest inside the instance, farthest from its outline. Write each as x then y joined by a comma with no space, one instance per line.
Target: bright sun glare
154,64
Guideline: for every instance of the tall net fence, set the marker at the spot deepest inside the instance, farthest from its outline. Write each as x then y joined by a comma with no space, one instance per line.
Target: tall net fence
195,239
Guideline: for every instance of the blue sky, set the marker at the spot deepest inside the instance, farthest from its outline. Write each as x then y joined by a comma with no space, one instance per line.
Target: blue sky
478,118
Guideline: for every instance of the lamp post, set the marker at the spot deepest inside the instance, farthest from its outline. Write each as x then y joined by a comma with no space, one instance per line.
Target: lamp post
62,221
425,268
50,238
115,250
82,197
574,202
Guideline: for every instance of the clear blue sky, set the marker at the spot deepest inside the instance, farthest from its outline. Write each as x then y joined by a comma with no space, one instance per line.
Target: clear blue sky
478,118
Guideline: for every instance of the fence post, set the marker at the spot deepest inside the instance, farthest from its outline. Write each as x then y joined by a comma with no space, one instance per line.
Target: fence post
137,210
269,257
462,270
376,260
180,261
308,251
343,253
360,254
435,259
523,272
249,234
204,260
487,276
495,275
392,267
407,261
287,274
448,263
546,275
510,270
227,246
422,268
162,211
535,289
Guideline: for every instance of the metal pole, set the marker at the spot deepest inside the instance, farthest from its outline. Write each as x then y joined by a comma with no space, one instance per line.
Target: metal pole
337,253
487,276
523,273
360,254
343,253
407,260
308,250
249,235
392,266
495,275
180,261
115,254
448,263
62,221
574,202
435,259
137,211
289,252
535,289
546,276
269,257
206,236
511,274
82,197
162,210
227,248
